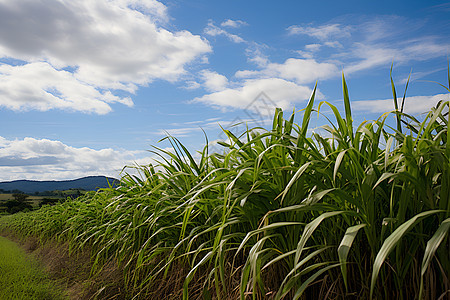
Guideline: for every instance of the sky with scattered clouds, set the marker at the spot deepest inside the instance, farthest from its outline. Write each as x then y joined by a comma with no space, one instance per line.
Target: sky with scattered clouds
87,87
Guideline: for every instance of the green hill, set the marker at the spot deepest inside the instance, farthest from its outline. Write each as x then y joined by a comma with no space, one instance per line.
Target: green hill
90,183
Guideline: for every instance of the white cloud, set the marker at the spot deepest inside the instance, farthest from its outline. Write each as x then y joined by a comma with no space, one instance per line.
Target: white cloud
303,70
368,42
39,86
422,49
299,70
115,44
386,27
374,55
282,93
43,159
305,54
313,47
180,132
233,23
324,32
413,105
334,44
192,85
310,51
413,76
213,81
213,127
441,7
213,30
255,54
370,56
156,9
282,83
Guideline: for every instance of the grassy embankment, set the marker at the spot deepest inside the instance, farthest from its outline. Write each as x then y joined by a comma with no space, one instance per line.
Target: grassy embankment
358,212
22,277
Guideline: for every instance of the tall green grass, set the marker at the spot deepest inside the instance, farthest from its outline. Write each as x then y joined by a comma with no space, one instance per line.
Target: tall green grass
359,212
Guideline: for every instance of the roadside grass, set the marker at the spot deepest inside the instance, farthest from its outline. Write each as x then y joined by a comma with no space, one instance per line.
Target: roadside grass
21,277
361,212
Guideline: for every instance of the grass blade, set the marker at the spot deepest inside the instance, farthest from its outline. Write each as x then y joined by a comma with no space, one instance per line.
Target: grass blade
391,242
344,248
432,246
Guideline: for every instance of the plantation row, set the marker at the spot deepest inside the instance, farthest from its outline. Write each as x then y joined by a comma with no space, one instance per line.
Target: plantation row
359,212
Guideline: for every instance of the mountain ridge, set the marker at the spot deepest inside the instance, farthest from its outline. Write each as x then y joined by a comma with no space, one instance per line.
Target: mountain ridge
88,183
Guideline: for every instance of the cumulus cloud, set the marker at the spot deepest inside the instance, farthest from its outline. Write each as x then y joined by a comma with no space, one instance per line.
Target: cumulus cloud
39,86
213,81
43,159
156,9
283,83
303,70
299,70
281,92
359,46
106,45
413,105
233,23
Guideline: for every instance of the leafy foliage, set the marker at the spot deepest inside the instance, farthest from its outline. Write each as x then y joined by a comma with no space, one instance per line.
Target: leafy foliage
19,203
358,212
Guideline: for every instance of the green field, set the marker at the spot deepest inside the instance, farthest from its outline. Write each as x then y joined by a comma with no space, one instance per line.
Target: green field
6,197
36,200
22,277
55,194
33,200
350,211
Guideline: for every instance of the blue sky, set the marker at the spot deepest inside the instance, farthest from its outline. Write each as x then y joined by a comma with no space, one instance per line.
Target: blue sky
86,87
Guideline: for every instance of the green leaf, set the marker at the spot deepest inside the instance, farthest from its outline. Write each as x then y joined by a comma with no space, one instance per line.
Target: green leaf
292,277
348,111
344,248
387,151
307,114
392,241
394,93
191,274
384,176
432,246
265,228
297,174
404,94
338,163
309,230
307,282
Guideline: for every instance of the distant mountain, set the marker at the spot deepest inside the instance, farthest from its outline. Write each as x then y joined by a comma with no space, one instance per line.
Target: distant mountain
90,183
